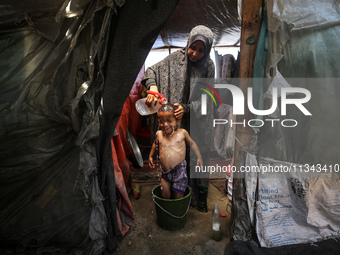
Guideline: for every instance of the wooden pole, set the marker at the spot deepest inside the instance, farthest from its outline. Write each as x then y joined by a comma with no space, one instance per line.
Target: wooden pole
242,228
250,30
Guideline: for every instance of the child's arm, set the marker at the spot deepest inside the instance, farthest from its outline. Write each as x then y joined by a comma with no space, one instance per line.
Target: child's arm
194,147
152,152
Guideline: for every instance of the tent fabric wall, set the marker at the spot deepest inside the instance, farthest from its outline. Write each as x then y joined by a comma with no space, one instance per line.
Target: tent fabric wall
66,69
118,82
304,51
48,163
124,209
121,153
301,52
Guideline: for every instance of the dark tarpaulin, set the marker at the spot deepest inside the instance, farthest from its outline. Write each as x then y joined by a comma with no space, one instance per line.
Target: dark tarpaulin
119,80
66,69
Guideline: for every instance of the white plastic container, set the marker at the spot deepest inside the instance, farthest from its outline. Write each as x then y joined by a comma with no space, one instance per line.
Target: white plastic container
144,110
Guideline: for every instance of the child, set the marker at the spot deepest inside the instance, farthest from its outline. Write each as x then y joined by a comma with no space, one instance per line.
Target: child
171,142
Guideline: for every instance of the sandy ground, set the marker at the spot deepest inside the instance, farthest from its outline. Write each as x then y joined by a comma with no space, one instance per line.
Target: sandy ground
146,237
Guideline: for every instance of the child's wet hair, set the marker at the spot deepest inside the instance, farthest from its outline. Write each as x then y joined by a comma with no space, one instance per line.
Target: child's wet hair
167,108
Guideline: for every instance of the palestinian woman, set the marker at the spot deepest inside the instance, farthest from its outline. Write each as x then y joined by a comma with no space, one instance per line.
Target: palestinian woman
174,76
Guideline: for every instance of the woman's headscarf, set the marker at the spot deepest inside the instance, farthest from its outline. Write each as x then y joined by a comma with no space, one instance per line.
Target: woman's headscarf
204,34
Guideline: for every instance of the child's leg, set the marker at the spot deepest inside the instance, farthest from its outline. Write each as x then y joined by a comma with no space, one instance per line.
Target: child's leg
178,195
180,180
166,188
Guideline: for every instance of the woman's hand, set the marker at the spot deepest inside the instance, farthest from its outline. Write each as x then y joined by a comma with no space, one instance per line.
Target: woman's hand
152,99
179,111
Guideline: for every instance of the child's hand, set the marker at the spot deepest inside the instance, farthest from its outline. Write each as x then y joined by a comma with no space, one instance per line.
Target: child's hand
199,162
151,164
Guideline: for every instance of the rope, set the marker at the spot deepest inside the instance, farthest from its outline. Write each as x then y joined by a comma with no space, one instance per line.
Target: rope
242,146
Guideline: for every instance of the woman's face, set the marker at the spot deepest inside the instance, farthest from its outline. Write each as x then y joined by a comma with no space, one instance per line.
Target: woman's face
196,51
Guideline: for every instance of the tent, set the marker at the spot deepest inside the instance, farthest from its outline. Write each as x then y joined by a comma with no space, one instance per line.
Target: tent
67,69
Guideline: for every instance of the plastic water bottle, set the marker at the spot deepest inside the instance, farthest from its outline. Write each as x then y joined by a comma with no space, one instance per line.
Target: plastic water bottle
143,109
216,223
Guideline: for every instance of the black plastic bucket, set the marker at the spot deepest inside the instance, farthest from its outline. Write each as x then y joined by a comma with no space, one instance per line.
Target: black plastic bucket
171,213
